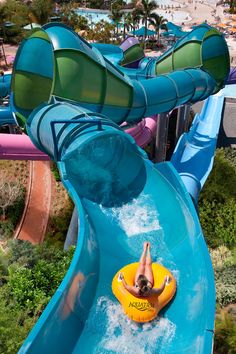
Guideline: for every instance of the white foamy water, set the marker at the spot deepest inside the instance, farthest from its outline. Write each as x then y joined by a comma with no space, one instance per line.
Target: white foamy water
137,217
140,222
124,336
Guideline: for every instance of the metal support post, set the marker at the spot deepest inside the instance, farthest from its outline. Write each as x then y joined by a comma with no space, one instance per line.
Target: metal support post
161,137
182,121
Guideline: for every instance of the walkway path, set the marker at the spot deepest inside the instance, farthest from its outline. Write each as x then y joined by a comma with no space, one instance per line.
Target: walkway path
34,221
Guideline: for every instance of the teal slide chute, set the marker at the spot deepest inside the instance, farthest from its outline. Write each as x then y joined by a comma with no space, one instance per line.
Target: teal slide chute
71,99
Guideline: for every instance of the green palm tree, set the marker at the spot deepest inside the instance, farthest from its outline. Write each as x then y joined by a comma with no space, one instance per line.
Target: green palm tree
116,16
146,8
41,11
128,23
136,17
159,22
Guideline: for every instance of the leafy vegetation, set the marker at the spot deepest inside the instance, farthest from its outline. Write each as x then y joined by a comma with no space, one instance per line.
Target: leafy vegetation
60,213
55,171
12,195
217,209
29,276
225,279
217,204
101,32
159,22
232,5
40,11
13,215
225,333
224,263
146,10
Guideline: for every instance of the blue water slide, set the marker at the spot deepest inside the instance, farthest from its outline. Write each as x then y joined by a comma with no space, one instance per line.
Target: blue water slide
5,85
121,197
6,115
194,154
101,167
112,52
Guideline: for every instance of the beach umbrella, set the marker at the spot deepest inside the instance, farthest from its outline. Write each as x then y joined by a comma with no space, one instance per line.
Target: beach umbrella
233,23
233,30
222,25
31,26
168,34
141,31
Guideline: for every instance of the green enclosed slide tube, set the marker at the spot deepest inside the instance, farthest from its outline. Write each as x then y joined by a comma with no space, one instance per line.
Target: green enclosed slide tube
204,48
55,63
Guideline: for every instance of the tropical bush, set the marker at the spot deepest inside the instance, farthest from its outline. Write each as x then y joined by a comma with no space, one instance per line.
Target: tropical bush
55,171
217,203
101,32
217,211
29,276
225,333
222,257
225,280
13,215
224,263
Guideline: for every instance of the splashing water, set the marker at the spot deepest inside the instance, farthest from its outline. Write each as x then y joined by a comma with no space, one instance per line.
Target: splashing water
123,336
137,217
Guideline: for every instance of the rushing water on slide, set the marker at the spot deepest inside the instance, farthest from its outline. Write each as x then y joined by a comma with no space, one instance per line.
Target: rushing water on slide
109,329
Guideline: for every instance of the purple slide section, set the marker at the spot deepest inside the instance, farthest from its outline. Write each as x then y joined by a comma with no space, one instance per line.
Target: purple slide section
232,77
128,42
19,147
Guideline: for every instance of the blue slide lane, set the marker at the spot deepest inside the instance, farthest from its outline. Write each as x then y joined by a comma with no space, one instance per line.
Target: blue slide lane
194,154
83,315
121,197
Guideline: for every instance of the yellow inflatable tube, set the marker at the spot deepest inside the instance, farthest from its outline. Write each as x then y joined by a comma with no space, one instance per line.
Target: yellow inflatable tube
143,309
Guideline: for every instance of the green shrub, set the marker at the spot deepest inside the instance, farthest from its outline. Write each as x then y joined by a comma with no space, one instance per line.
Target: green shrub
222,257
220,185
225,334
14,327
13,214
32,275
217,203
55,171
218,221
230,154
58,227
225,281
224,264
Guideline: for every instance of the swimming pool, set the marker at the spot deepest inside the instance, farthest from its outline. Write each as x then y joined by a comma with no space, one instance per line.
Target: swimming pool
96,15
